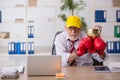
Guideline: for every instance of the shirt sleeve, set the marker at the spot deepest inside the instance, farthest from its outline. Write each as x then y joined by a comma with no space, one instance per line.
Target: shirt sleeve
62,50
97,57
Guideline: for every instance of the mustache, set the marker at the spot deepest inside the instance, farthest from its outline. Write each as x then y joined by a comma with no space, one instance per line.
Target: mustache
73,35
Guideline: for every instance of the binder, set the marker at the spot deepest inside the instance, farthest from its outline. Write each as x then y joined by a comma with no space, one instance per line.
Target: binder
100,15
117,15
118,46
23,48
113,47
117,31
30,47
0,17
30,31
9,48
108,47
17,48
12,47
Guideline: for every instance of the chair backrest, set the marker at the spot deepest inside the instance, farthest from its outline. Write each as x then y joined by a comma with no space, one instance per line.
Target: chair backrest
95,62
53,46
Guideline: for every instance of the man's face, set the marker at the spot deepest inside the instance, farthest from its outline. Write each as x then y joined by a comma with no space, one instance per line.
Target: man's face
73,32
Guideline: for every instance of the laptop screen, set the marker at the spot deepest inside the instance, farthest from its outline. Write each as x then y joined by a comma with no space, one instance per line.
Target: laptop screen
43,64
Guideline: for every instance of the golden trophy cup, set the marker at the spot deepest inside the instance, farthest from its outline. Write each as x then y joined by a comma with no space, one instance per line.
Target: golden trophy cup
93,32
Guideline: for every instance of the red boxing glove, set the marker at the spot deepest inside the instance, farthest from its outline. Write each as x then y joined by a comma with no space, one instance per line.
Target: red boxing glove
92,50
84,45
99,45
88,42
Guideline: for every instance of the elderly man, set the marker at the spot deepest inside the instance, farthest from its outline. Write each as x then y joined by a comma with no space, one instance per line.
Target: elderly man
73,45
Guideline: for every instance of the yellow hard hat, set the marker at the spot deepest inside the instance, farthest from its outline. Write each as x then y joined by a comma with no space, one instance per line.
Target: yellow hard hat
73,21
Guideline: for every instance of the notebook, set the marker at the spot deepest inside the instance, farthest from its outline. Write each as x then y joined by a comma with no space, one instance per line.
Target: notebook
43,65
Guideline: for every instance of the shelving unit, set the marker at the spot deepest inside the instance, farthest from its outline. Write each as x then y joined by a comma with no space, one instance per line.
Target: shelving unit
17,16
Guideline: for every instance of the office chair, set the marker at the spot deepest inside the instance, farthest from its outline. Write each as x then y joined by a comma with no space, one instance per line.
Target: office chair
95,62
53,47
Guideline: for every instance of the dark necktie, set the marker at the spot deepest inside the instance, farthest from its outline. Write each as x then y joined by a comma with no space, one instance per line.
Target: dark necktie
72,49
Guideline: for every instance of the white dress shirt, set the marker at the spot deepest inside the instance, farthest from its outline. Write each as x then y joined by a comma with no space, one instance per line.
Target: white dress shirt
62,45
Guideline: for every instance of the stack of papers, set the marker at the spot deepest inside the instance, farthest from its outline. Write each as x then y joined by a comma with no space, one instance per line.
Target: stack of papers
114,66
19,69
9,72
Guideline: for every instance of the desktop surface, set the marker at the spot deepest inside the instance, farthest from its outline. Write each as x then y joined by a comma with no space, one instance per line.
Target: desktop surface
71,73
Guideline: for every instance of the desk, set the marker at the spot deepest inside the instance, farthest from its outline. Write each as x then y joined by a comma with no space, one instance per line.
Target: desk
72,73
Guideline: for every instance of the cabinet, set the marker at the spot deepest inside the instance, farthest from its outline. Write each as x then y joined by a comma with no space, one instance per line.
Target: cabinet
17,15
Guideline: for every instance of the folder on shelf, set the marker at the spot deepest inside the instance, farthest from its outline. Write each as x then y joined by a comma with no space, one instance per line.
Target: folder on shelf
118,15
110,48
17,47
113,47
30,31
100,15
0,16
117,31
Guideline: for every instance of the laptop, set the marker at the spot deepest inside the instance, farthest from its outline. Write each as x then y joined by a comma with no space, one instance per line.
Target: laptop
43,65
